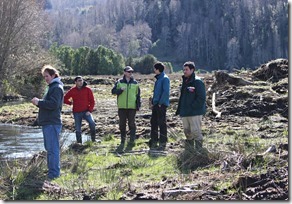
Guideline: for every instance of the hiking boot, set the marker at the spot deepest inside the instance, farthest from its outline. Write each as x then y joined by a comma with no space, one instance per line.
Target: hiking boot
78,137
130,146
152,145
161,147
189,145
92,134
120,148
199,144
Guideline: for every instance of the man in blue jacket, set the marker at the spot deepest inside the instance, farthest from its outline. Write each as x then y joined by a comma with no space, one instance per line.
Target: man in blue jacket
192,106
159,104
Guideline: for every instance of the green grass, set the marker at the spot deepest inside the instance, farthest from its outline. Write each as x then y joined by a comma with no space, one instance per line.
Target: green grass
87,170
17,109
99,171
97,168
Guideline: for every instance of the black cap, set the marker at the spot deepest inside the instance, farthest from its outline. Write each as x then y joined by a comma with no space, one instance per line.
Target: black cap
128,69
77,77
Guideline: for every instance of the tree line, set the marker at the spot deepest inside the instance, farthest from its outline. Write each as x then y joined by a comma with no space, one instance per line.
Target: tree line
221,34
100,61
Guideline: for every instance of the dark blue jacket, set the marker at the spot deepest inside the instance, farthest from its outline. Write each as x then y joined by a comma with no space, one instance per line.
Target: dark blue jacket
192,103
161,90
50,106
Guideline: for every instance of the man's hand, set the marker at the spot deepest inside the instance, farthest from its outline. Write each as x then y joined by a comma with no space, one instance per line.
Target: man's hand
87,113
191,89
150,103
35,101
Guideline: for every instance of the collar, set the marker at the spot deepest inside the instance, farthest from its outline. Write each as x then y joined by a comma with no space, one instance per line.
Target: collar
125,79
161,75
187,79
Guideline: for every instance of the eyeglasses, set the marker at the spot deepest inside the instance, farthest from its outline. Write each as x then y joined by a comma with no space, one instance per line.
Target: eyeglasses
79,80
129,71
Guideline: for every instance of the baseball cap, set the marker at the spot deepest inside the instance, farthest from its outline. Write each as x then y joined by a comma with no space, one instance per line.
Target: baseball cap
128,69
77,77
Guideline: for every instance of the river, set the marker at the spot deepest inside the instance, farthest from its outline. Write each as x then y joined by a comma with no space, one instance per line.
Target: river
23,142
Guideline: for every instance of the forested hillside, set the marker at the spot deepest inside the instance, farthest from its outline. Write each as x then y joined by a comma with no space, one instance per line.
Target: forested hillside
101,36
221,34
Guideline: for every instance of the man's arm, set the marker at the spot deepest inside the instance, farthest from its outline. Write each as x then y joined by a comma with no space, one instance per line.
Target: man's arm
138,99
54,101
68,97
91,101
201,94
115,89
165,91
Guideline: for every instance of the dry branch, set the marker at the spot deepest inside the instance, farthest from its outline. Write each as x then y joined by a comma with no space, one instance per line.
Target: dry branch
218,114
185,191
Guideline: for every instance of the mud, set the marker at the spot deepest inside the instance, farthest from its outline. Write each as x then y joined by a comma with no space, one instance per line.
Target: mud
246,101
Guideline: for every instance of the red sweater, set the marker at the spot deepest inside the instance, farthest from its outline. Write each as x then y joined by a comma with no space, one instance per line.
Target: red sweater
82,99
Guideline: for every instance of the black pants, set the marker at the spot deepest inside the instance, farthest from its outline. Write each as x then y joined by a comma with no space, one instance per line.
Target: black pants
127,115
158,119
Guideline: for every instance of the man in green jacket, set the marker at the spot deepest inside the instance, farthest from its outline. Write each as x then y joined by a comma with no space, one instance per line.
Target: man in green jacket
192,106
129,101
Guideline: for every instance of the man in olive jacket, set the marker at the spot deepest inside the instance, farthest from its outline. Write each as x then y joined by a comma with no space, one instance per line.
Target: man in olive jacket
129,101
192,106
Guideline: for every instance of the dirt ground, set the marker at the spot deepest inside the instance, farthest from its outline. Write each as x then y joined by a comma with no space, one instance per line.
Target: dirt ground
243,100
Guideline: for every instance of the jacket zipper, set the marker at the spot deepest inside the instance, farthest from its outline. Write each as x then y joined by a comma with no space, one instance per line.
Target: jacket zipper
127,93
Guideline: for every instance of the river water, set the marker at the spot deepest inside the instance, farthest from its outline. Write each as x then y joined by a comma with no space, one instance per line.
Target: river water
23,141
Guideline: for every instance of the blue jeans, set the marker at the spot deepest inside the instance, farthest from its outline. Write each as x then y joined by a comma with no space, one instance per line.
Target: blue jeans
78,121
51,135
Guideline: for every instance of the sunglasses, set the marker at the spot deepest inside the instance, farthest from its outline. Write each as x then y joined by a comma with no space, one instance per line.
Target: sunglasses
129,71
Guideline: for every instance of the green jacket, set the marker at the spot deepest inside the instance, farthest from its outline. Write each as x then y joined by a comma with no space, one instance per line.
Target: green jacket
192,103
130,97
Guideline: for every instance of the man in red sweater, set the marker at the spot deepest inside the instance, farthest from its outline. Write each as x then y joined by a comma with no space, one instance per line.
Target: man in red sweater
83,102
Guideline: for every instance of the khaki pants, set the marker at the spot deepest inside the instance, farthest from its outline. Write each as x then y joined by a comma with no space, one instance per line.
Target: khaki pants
192,127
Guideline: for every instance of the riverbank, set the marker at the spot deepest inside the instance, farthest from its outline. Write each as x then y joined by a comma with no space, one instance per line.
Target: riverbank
245,153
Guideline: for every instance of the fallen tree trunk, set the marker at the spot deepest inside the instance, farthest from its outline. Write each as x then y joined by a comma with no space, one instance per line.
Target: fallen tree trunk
222,78
185,191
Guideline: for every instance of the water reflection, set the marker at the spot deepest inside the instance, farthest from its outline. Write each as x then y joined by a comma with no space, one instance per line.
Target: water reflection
23,142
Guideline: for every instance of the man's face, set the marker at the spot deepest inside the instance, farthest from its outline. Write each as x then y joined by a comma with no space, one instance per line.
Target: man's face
48,77
79,82
156,71
128,73
187,71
